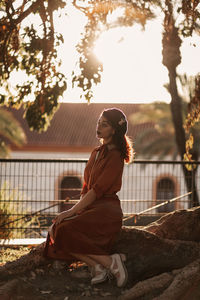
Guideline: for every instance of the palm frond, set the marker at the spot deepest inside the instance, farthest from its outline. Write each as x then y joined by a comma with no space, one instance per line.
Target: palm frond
161,146
157,113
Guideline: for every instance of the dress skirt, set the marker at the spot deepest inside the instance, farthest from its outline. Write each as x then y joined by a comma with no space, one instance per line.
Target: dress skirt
93,231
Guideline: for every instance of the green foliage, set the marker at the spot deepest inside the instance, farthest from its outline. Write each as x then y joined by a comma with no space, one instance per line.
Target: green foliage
97,13
90,66
10,205
191,13
192,123
29,43
30,50
158,136
10,130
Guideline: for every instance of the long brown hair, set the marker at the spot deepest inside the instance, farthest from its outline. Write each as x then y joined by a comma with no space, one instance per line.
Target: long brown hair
118,121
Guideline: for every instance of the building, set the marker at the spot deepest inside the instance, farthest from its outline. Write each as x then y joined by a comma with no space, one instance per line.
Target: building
71,137
72,132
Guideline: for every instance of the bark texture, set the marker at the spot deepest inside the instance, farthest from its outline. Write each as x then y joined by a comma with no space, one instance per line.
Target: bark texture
163,258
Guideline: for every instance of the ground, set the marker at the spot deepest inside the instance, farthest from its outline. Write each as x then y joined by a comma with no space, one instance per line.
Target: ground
163,263
53,283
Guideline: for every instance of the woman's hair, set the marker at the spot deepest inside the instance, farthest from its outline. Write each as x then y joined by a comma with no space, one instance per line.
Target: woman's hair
117,119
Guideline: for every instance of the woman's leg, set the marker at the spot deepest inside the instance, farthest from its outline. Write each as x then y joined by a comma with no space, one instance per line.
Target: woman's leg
115,263
92,260
86,259
104,260
98,272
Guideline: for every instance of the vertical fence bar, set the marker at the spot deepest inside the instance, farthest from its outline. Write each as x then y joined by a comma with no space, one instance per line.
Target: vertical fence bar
28,186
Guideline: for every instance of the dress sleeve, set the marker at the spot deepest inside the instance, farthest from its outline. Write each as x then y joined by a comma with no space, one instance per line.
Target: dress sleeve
111,172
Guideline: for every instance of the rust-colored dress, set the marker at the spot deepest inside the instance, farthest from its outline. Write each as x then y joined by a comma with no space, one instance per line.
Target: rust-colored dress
95,229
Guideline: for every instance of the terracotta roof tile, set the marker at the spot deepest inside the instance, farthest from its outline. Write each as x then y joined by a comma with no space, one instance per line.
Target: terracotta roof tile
73,125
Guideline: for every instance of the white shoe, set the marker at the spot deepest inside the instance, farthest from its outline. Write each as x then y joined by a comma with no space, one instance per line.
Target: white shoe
118,269
99,274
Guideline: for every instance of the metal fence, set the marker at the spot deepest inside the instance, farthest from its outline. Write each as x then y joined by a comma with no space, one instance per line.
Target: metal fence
32,191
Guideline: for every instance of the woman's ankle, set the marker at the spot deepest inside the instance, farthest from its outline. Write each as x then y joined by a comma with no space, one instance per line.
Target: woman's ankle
104,260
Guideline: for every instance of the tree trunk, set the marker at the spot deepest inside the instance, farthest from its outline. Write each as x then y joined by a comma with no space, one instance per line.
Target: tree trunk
171,59
190,179
176,111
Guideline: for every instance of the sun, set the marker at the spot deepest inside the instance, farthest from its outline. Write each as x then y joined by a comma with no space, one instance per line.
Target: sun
131,58
132,63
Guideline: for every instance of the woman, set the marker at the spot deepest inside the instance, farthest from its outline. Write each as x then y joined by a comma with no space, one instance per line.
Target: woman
87,231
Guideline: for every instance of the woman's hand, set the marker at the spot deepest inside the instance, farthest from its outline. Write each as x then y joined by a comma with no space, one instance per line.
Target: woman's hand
65,214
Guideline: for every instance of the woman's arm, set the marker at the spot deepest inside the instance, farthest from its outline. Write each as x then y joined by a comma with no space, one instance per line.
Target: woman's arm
85,200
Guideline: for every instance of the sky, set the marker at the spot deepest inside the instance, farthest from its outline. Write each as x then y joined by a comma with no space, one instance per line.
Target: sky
132,61
131,57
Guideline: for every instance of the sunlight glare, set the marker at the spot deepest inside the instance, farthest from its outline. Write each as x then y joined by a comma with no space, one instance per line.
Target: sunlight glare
132,60
112,17
71,27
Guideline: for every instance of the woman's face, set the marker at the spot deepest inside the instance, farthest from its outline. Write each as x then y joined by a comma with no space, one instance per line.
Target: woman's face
104,130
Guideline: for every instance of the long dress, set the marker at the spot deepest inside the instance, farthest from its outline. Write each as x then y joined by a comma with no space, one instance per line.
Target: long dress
95,229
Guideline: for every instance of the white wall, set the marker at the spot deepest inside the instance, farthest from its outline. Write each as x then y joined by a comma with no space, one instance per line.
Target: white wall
40,181
48,155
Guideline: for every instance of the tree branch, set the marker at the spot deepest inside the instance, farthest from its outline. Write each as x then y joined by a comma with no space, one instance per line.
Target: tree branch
84,10
27,12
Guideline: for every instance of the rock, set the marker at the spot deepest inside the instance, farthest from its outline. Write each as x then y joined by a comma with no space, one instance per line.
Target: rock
174,285
69,288
86,293
58,265
32,275
80,273
82,285
149,255
8,289
105,294
182,282
178,225
162,258
39,271
145,287
45,292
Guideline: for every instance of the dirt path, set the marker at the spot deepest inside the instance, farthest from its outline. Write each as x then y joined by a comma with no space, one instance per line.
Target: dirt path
52,283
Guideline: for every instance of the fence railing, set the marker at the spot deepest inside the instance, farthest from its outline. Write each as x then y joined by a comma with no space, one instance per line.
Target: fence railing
32,191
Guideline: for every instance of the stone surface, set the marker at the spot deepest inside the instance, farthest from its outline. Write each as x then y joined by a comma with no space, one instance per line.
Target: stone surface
178,225
149,255
8,289
179,284
182,282
151,285
163,262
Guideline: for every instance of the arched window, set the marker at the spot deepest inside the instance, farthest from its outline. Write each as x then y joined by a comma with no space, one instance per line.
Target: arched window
70,186
165,190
